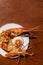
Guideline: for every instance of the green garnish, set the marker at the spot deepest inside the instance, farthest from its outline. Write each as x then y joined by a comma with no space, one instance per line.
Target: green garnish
0,40
7,40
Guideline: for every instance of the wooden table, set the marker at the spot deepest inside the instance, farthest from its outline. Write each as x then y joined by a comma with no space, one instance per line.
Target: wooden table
28,13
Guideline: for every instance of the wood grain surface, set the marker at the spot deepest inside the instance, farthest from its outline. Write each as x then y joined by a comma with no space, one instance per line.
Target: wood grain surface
28,13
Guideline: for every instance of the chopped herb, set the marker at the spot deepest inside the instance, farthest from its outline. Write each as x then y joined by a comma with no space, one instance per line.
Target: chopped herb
18,32
2,31
8,34
13,32
7,40
0,40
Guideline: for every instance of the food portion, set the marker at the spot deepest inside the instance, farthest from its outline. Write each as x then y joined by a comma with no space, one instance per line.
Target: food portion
18,41
11,43
8,37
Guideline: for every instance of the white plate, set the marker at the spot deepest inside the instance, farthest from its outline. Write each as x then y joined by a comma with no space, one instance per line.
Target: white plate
10,25
13,25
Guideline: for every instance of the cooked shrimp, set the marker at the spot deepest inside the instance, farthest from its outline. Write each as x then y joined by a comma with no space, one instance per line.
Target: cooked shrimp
18,51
